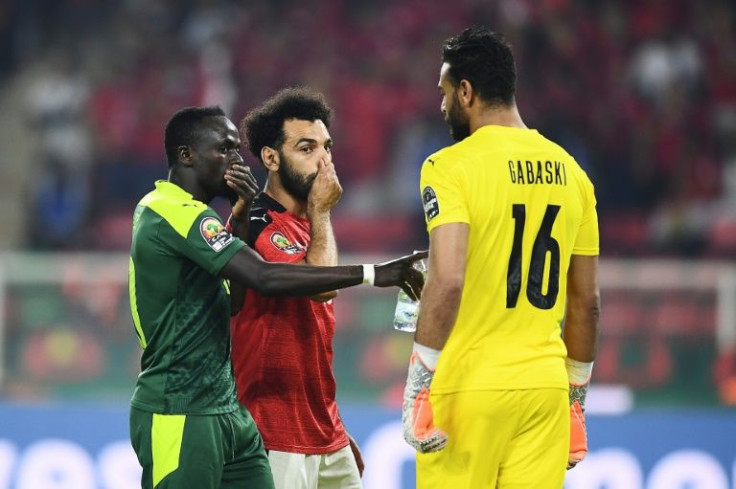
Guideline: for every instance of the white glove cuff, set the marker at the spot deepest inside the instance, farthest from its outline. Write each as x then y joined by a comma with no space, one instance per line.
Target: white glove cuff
578,373
369,274
429,356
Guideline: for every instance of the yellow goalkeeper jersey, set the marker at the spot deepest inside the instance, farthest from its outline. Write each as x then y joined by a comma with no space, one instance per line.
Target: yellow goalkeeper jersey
529,207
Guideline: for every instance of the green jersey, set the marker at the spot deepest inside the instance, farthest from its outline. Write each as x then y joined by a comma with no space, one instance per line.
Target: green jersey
180,307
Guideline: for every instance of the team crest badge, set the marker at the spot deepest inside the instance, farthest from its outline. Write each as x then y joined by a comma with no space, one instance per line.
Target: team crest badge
282,243
430,203
215,234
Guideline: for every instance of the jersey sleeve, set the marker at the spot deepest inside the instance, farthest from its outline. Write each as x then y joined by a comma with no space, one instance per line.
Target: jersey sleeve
207,242
587,240
443,196
273,244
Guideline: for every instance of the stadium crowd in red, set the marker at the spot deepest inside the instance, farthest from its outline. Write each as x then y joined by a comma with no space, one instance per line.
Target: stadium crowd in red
642,93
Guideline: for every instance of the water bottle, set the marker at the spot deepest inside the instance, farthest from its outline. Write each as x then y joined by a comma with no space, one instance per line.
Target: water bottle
407,310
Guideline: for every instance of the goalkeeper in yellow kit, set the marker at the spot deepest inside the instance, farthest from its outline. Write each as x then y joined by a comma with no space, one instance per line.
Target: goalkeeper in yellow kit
494,379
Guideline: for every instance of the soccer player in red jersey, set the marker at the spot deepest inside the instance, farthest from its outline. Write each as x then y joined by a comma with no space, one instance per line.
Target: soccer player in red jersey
282,346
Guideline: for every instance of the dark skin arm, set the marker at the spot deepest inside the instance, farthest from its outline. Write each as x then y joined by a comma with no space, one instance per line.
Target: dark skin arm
240,179
583,308
282,279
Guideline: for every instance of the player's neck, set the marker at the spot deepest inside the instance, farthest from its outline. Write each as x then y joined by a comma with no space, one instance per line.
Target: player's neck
184,181
277,192
497,116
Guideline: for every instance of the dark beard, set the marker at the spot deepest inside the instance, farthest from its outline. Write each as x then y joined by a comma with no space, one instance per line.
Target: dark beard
296,185
458,122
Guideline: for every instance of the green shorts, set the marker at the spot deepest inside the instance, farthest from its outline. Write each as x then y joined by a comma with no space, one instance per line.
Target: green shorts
221,451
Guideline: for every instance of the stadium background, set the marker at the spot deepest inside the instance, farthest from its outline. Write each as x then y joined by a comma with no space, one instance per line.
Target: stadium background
642,93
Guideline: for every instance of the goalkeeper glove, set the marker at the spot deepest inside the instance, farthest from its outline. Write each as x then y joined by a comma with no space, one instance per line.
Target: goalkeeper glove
579,378
416,413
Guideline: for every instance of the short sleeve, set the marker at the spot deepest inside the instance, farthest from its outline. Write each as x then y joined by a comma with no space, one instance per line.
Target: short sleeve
587,241
207,243
274,245
443,197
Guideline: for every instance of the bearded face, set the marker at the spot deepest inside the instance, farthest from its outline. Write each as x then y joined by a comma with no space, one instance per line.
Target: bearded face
295,183
458,121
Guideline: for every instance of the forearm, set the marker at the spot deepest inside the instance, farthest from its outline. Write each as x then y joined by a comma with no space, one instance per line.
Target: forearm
282,279
322,249
239,229
438,312
272,279
580,333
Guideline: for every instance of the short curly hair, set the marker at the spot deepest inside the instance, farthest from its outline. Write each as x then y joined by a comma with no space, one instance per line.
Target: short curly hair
264,125
483,58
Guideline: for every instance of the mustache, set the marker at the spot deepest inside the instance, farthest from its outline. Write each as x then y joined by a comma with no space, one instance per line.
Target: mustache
309,179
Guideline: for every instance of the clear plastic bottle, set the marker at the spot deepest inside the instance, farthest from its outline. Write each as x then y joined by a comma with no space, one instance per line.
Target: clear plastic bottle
407,310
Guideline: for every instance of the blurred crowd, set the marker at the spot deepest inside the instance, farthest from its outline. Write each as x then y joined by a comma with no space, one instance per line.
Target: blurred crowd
642,93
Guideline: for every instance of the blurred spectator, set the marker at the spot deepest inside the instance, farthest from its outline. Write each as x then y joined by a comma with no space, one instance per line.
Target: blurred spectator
643,94
57,102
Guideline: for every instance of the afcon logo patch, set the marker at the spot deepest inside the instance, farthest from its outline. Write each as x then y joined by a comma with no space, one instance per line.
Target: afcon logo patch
215,234
282,243
429,201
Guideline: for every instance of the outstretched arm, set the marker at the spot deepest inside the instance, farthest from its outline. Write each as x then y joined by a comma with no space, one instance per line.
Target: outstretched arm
275,279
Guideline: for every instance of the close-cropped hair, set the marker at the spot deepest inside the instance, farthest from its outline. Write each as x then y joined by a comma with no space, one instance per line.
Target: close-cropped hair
181,130
483,58
264,125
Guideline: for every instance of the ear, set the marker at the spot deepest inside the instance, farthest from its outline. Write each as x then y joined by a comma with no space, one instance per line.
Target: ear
185,155
270,158
465,93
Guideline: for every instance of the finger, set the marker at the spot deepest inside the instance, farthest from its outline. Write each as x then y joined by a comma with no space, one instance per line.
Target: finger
418,255
415,279
245,176
242,179
408,290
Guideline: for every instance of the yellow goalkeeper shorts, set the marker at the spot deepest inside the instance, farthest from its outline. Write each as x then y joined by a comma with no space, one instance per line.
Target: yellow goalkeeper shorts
516,439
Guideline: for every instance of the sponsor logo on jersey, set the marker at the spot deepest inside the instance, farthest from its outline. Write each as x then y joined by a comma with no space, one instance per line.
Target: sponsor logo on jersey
215,234
429,201
282,243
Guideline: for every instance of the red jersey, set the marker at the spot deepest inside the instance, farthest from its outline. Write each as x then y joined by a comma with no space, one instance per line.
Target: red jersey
282,347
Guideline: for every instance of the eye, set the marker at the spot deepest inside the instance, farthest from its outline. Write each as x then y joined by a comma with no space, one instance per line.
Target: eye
306,149
328,148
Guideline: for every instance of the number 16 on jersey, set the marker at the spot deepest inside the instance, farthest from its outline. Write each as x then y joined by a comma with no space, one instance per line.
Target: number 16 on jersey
544,243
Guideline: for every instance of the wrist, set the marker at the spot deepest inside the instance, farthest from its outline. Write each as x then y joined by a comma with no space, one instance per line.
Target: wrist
315,211
369,274
428,356
578,373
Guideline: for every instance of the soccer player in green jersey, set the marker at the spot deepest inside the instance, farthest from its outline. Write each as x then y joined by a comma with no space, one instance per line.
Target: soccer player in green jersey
186,425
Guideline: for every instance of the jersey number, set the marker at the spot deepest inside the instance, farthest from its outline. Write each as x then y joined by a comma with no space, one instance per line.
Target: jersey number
543,244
